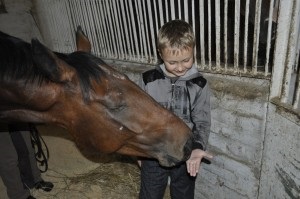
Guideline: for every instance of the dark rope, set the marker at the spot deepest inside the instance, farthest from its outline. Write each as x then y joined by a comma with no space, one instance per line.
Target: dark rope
37,143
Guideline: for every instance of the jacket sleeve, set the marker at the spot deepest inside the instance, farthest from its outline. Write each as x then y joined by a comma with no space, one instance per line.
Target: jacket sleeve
201,117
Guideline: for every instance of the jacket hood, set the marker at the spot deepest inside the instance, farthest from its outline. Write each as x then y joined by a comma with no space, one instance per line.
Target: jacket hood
190,74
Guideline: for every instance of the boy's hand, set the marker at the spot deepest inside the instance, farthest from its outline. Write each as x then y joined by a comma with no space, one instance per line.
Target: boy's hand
193,163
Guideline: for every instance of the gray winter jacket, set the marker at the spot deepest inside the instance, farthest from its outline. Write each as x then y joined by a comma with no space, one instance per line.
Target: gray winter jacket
188,97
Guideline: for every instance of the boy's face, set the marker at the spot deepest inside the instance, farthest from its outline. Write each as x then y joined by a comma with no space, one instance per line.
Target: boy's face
177,61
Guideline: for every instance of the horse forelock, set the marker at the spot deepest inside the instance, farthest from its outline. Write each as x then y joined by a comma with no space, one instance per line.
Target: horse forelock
87,67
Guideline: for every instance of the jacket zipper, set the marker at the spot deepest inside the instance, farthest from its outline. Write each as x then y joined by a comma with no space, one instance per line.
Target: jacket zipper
172,95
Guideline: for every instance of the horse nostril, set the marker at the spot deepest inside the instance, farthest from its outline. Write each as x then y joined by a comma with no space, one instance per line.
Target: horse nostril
187,149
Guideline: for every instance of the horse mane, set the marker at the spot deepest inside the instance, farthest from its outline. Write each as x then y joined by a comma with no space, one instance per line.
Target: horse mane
16,62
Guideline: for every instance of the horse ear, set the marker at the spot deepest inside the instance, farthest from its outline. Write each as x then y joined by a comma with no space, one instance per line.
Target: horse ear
53,67
82,42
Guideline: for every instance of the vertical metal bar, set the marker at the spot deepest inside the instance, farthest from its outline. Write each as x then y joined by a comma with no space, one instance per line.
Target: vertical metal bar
156,18
236,34
186,11
134,30
146,38
202,26
269,36
119,28
109,28
225,33
167,10
172,4
141,30
256,36
91,9
129,29
115,29
152,34
99,25
161,13
218,33
179,9
246,35
124,30
193,25
106,35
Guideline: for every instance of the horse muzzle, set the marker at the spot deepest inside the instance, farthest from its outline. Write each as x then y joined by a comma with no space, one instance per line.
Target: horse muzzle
169,160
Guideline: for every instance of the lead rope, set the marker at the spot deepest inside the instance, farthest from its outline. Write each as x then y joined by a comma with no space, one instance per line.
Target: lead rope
37,143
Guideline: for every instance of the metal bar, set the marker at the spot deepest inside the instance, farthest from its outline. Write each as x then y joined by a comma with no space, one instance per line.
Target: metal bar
142,30
126,38
161,12
179,9
245,58
225,34
99,25
236,34
256,36
109,28
202,26
92,26
134,30
119,29
129,30
218,33
269,37
193,25
167,10
152,34
106,39
186,9
146,38
172,5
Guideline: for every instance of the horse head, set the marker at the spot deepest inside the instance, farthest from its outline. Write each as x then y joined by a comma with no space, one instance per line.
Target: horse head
100,107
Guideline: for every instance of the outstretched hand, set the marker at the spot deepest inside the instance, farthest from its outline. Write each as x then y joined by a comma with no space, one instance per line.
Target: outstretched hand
193,163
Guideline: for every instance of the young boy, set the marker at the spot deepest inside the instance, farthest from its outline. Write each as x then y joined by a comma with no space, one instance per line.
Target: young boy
177,85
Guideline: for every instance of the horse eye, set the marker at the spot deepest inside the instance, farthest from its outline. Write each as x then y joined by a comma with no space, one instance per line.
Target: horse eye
117,108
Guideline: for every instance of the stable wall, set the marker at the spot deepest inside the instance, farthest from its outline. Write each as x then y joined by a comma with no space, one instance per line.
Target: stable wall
280,173
239,107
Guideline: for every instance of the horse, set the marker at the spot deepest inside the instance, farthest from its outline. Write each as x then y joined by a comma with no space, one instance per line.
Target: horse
102,109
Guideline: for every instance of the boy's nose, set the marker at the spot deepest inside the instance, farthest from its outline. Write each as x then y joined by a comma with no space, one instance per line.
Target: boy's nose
180,68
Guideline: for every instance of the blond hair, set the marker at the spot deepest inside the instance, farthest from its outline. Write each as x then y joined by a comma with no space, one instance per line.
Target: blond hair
175,34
